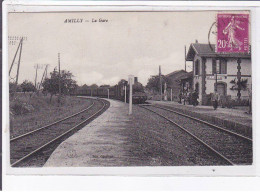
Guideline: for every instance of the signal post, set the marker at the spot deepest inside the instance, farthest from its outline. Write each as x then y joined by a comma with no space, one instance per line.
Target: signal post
131,81
125,92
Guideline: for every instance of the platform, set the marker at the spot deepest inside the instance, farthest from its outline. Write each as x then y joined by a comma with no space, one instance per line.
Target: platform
100,143
235,118
117,139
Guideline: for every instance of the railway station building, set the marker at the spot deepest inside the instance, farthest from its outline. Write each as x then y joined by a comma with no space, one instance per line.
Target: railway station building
227,73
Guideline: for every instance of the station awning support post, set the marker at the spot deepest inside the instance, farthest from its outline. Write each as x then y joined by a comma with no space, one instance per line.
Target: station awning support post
165,91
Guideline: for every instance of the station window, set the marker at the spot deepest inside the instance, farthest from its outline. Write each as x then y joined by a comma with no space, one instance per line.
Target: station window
219,66
197,87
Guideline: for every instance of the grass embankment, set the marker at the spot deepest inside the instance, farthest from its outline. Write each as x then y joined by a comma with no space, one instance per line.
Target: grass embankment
31,112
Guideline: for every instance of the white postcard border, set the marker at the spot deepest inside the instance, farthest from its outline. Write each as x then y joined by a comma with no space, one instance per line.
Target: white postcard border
19,6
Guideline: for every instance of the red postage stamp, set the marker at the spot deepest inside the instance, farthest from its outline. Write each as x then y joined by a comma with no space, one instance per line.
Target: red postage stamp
232,33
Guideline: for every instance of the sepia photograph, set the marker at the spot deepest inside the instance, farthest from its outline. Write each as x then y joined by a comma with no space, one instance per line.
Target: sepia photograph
130,89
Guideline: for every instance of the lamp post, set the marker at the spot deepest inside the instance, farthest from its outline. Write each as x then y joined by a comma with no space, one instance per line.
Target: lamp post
238,78
59,98
216,76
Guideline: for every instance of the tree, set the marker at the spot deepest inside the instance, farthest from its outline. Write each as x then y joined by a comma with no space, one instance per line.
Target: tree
27,86
122,82
94,86
85,86
13,88
51,85
104,86
154,82
138,87
243,84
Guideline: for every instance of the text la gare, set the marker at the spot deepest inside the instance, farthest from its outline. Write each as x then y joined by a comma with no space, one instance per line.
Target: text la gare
99,20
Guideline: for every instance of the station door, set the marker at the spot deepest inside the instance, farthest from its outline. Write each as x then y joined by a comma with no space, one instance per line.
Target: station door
221,89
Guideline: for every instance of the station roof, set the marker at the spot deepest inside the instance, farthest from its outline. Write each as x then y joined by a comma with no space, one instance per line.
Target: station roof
187,76
176,74
208,50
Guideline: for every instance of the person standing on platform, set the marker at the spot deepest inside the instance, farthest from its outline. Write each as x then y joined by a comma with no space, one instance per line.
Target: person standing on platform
195,97
189,97
214,99
184,97
180,97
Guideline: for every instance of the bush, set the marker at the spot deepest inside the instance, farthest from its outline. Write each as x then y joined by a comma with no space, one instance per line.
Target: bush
206,99
242,102
19,108
225,101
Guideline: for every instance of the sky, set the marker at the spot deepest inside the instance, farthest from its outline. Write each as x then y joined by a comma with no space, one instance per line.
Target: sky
129,43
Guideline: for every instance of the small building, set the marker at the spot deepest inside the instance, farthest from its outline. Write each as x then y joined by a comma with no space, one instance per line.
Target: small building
227,73
174,84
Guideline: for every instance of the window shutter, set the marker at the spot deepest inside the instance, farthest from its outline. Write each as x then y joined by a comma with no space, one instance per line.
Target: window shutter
224,66
198,67
214,68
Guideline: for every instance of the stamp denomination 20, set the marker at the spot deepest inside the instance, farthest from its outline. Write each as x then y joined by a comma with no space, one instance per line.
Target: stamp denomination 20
232,33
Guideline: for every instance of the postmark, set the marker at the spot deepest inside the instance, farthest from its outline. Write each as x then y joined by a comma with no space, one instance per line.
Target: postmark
232,33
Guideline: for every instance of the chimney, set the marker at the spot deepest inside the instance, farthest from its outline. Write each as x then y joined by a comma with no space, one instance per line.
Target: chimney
196,41
136,79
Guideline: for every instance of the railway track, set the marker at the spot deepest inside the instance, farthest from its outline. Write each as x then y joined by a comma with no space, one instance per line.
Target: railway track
234,148
49,125
26,146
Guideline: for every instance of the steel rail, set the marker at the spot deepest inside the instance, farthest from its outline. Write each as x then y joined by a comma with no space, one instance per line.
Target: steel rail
57,138
205,122
194,136
49,125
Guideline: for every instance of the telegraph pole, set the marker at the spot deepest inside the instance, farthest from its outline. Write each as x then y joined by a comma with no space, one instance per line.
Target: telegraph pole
59,79
35,81
18,67
19,60
185,57
15,56
44,75
160,82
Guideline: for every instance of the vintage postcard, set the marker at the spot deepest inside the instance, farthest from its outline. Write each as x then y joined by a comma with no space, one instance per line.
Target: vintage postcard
130,89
